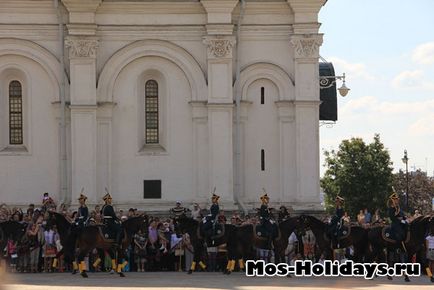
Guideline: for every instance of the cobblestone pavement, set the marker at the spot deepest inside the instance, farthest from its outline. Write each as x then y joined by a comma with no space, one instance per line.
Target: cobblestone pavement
213,281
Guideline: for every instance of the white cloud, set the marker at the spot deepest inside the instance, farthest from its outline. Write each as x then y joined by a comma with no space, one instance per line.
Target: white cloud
371,104
352,70
424,53
414,79
423,126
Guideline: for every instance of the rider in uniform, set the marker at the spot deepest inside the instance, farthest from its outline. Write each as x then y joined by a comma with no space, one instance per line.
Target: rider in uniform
211,219
110,218
264,217
82,213
336,222
397,217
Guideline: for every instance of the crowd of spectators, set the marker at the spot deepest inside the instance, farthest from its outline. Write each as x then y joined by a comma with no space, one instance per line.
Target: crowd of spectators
153,249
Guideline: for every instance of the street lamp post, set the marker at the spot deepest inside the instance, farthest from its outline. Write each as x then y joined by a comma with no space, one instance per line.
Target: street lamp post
405,160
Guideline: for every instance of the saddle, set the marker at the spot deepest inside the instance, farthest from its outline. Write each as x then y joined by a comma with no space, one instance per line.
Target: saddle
261,232
342,233
108,234
215,233
388,235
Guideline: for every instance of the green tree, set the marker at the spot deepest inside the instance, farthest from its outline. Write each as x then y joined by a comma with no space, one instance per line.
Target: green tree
360,173
421,190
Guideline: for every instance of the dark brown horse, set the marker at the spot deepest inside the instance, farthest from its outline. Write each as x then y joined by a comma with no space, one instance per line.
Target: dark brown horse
399,252
357,238
90,237
248,240
199,241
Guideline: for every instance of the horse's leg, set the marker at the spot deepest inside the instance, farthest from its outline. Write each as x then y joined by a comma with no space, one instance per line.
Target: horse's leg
80,259
98,260
120,256
403,258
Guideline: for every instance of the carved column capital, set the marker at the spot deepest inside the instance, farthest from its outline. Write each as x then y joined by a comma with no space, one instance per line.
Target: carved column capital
219,47
306,45
81,47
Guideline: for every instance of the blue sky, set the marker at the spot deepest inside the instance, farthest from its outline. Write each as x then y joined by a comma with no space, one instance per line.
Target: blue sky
386,49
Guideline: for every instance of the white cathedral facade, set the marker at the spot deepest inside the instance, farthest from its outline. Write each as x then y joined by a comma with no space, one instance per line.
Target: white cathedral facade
159,101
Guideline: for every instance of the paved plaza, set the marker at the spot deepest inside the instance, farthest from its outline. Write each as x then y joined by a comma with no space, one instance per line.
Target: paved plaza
214,281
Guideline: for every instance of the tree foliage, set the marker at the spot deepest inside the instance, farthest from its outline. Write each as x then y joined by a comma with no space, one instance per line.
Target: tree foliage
421,190
360,173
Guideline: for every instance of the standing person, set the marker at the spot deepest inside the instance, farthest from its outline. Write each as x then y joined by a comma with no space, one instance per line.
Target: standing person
35,237
178,210
283,214
49,248
309,243
188,250
110,219
195,212
82,212
367,217
11,252
416,214
430,252
377,217
140,243
346,218
361,218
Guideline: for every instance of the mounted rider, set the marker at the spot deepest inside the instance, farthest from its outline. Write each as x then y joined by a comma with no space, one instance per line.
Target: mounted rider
265,217
110,219
211,219
82,212
399,220
336,221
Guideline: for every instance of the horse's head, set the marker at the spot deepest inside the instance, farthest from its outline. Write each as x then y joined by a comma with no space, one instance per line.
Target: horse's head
13,229
134,224
184,224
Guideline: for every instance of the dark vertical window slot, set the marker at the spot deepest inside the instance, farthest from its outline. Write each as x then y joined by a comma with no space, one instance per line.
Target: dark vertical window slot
263,160
262,95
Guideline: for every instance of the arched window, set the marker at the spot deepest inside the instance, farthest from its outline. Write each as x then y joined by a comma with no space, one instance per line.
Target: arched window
15,113
151,113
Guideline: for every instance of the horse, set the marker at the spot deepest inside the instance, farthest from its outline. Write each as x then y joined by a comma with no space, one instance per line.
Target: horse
248,240
357,237
197,236
399,252
90,237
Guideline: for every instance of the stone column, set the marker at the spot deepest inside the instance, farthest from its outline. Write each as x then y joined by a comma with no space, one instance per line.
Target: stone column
220,114
219,43
82,56
82,44
306,53
306,42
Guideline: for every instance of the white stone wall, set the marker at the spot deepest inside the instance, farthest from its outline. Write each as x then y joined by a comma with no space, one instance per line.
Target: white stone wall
189,47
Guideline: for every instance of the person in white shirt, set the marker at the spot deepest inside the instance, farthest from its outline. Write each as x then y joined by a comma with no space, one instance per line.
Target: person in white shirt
292,246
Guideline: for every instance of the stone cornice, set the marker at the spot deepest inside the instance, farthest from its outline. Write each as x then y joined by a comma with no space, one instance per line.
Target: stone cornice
82,5
219,46
219,11
82,11
151,8
306,6
306,45
306,11
81,47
